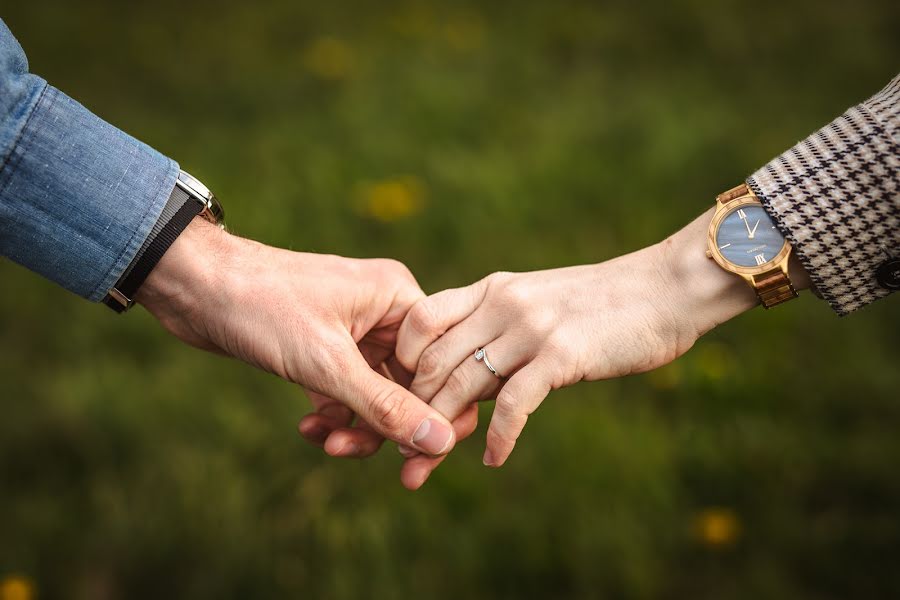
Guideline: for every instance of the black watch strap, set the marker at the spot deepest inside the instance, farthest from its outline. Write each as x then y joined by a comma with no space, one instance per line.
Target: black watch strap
121,296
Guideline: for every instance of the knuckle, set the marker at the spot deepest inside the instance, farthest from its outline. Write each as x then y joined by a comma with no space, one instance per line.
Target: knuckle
539,323
387,263
497,278
389,411
347,267
515,409
506,430
513,296
506,404
558,346
458,384
391,266
423,319
496,439
430,363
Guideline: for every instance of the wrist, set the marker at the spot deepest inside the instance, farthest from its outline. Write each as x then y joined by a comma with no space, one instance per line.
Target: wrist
188,277
706,294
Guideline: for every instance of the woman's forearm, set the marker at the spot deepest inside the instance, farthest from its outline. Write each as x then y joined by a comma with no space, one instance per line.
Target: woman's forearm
548,329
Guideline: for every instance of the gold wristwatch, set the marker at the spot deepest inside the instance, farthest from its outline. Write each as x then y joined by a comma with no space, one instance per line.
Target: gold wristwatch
744,241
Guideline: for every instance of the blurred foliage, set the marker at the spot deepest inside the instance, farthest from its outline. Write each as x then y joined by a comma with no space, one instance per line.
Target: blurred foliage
461,138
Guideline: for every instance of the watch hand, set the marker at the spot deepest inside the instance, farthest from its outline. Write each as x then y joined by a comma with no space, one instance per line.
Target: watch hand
747,225
752,233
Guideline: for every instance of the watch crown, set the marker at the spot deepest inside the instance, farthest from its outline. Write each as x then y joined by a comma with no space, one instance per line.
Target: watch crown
709,254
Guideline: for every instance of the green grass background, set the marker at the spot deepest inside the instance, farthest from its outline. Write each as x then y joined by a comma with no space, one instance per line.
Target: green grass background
540,134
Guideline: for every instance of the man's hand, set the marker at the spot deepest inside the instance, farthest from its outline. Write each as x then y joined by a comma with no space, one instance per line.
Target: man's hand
325,322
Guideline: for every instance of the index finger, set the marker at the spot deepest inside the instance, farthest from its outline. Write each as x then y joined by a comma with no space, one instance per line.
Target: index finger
431,317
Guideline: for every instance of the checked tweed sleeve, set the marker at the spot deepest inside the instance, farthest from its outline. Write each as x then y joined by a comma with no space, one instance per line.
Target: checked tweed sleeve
836,198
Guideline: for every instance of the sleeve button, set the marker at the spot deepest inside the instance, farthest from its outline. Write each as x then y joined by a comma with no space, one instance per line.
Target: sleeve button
888,274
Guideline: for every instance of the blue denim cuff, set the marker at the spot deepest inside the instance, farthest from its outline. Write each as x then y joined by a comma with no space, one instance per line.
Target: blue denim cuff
78,196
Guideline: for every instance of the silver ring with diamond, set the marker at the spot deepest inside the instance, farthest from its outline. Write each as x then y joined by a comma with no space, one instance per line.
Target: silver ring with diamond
481,356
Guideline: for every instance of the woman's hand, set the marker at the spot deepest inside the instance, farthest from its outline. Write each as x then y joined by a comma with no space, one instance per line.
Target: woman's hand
548,329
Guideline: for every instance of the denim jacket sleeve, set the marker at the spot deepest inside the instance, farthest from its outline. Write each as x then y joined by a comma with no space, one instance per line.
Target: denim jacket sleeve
78,196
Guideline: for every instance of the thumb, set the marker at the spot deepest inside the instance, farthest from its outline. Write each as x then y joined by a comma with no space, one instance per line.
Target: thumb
390,409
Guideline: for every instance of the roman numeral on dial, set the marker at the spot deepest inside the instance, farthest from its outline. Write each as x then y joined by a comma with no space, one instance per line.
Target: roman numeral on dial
760,259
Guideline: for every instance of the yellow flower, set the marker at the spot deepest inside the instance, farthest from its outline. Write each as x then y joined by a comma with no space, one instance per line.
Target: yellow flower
391,199
16,587
717,527
329,58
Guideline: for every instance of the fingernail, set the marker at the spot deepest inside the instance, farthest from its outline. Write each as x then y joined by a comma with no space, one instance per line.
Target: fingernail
349,449
433,436
488,459
406,451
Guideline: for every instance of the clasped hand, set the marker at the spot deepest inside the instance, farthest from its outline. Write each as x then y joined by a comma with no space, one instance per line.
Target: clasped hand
541,331
380,360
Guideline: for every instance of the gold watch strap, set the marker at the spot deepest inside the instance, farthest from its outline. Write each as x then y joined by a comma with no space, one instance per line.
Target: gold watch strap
735,192
774,286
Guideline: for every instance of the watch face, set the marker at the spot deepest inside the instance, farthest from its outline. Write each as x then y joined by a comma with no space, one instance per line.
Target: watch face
747,237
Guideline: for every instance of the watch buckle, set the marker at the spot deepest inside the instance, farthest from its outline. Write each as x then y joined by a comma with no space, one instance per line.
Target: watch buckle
121,298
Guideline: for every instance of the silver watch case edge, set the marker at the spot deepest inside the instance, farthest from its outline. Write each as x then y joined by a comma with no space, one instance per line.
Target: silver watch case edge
212,210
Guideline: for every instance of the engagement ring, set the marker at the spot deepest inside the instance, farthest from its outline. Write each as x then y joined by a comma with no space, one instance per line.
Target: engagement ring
481,356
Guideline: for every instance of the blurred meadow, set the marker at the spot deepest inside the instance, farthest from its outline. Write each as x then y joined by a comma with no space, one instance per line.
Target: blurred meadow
461,138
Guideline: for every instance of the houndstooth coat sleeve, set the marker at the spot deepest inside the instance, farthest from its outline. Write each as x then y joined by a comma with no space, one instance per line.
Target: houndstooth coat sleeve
836,198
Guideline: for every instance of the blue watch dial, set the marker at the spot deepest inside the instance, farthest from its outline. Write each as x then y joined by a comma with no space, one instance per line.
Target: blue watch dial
747,237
